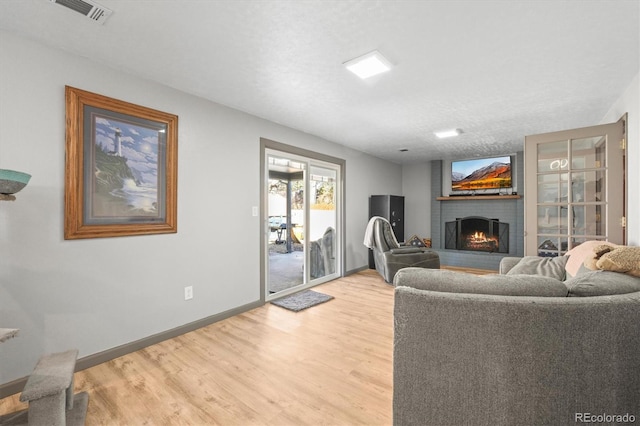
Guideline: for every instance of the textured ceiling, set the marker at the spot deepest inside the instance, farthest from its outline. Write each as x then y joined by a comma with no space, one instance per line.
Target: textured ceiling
498,70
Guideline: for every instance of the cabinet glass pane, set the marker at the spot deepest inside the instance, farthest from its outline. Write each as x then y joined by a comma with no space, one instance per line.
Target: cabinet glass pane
588,187
553,156
588,153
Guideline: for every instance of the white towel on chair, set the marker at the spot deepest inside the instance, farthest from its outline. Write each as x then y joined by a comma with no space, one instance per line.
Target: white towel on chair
369,239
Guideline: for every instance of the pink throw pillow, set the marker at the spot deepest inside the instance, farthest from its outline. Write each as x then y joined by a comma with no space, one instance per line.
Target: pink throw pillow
579,254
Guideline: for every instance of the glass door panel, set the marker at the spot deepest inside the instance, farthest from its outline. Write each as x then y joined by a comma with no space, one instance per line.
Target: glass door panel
588,220
286,220
563,213
551,246
588,153
552,157
552,188
574,182
322,221
552,220
588,187
303,222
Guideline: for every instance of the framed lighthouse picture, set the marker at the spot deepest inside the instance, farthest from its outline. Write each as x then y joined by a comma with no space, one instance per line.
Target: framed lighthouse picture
121,168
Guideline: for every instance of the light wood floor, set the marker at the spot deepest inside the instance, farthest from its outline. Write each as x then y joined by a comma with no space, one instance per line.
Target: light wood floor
330,364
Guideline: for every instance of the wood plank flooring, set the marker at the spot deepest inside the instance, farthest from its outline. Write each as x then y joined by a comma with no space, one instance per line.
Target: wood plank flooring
327,365
330,364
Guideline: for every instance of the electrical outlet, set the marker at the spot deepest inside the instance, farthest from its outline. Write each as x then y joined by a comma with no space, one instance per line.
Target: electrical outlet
188,293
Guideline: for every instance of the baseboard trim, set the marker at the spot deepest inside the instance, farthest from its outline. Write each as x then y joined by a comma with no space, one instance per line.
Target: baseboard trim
83,363
356,270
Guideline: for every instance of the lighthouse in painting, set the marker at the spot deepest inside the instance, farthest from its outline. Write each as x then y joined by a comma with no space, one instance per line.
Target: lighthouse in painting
118,147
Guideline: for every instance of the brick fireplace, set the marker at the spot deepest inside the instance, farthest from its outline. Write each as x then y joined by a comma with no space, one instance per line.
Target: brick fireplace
446,224
477,233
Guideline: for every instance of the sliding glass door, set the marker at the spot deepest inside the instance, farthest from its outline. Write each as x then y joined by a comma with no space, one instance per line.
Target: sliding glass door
286,182
322,221
302,222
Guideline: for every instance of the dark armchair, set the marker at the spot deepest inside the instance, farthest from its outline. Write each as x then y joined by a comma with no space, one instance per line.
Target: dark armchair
389,256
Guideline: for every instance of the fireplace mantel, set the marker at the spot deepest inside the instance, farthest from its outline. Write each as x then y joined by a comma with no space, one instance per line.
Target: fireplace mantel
480,197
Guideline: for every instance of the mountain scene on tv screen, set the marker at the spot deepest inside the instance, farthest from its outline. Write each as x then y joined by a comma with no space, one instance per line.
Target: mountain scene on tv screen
495,175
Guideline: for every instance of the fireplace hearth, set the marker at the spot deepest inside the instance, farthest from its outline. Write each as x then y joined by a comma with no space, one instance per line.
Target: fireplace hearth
477,233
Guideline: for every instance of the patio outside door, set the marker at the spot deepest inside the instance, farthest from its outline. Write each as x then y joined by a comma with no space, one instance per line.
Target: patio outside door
302,205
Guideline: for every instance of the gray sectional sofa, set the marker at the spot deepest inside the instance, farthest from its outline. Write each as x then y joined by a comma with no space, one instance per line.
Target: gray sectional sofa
524,348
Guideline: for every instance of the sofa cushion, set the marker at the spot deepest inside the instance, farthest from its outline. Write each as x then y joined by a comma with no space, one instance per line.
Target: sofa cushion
578,255
552,267
460,282
601,283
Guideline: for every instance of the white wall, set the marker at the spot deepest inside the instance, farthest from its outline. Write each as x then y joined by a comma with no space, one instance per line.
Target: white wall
629,102
97,294
416,188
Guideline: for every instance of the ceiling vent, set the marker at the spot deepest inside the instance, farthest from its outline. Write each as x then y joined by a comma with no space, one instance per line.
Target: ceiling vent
88,8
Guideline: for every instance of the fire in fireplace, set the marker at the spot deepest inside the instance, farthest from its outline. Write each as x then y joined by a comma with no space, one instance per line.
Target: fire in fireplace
477,233
478,240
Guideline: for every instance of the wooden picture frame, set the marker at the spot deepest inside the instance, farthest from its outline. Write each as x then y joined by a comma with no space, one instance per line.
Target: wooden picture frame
121,168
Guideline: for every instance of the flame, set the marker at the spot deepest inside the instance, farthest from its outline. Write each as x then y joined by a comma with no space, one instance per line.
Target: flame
478,237
479,240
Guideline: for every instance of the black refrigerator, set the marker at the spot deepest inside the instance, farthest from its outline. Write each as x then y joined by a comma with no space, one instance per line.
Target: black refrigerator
391,207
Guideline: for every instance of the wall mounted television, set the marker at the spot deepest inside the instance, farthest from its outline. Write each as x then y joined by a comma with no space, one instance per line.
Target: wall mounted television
485,174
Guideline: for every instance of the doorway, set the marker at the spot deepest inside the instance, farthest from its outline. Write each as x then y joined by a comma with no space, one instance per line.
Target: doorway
302,219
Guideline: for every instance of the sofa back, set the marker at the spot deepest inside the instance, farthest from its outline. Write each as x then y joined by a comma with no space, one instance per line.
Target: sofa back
462,358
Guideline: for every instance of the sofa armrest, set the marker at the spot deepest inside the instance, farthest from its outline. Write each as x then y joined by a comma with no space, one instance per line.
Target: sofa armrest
507,263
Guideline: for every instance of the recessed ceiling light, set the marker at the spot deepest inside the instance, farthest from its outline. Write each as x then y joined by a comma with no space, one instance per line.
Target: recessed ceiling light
368,65
448,133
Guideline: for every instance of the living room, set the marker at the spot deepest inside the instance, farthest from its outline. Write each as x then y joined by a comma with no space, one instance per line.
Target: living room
104,294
